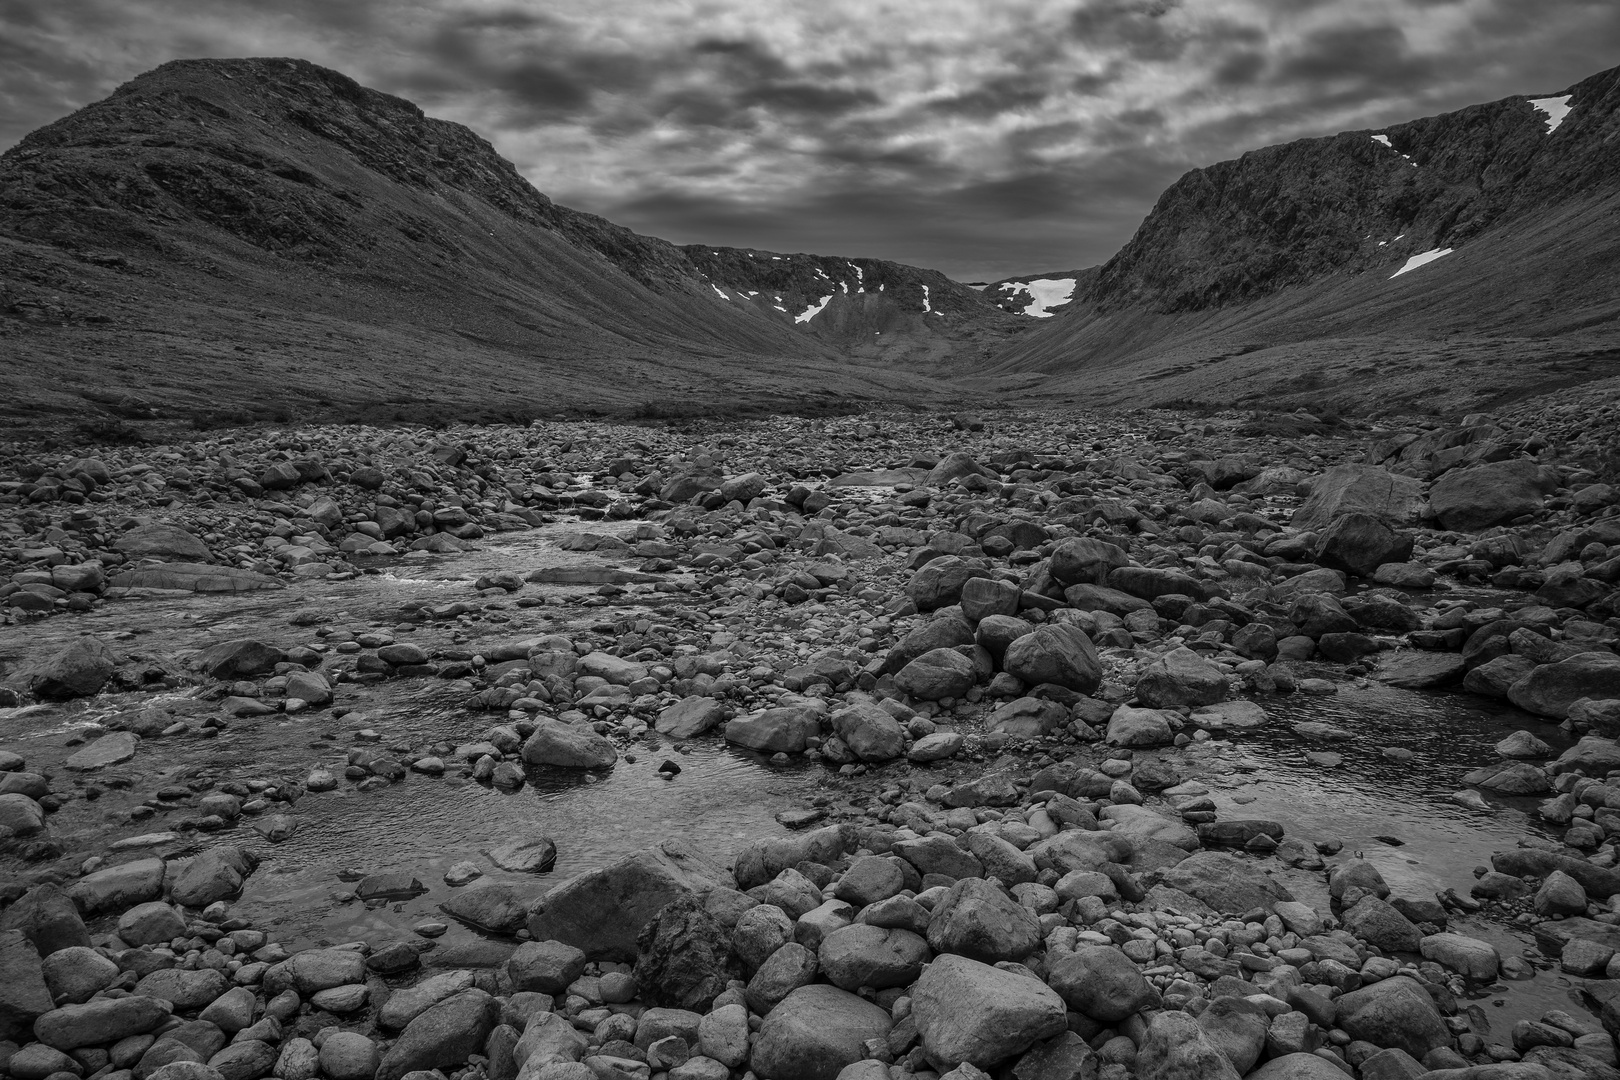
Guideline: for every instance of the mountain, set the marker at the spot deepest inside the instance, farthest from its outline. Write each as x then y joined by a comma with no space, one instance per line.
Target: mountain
1454,262
268,237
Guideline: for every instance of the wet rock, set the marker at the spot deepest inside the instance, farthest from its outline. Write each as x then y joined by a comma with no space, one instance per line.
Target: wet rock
690,717
775,731
1055,653
525,855
1181,677
683,956
1420,670
239,659
1395,1012
1099,981
111,749
1469,956
489,906
602,911
977,920
568,746
1376,922
966,1011
193,577
216,874
815,1032
79,670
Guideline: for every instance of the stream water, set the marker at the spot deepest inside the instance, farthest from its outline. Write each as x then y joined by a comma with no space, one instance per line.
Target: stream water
1396,814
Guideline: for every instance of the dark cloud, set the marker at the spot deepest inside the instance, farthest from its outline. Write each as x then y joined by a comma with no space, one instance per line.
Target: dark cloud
1014,138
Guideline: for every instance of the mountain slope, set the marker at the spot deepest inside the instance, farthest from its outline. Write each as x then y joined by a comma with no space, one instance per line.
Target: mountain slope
268,234
1255,273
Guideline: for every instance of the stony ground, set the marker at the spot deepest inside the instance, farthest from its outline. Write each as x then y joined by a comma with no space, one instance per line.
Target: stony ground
1002,639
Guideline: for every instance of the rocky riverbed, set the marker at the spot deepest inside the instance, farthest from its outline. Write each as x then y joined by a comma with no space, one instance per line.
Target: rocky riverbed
905,744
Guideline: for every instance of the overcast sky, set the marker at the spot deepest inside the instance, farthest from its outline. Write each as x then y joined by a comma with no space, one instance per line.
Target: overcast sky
985,138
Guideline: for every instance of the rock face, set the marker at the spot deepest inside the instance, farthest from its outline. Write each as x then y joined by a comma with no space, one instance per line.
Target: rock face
815,1032
601,912
1474,499
968,1011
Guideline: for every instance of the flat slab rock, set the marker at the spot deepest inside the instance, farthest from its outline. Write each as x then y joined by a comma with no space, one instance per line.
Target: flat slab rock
193,577
107,750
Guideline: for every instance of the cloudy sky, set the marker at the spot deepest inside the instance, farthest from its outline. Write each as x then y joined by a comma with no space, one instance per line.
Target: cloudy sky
982,137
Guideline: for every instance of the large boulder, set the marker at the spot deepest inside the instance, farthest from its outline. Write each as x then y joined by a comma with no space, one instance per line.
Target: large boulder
1101,982
193,577
692,715
870,732
978,920
568,746
1367,489
683,956
115,888
1082,560
1228,883
491,906
601,912
814,1032
165,543
1056,653
1176,1048
786,730
1181,677
47,917
966,1011
216,874
23,994
865,955
444,1036
78,670
1476,498
102,1021
1550,689
1360,543
238,659
937,674
1395,1012
938,583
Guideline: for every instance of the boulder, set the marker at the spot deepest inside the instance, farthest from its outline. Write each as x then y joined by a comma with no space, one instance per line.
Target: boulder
815,1032
1394,1012
966,1011
165,543
937,674
80,669
1551,689
1478,497
869,731
1082,560
938,582
1303,1066
194,577
601,912
1056,653
113,748
1469,956
1099,981
117,887
47,917
24,997
683,956
239,659
776,731
690,716
545,967
1176,1048
568,746
490,906
1379,924
1236,1027
444,1036
1181,677
101,1022
1359,544
1366,489
216,874
1130,726
1228,883
977,920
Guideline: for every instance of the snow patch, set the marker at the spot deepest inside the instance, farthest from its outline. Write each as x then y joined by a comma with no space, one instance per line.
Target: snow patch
925,299
1556,109
1423,259
1383,139
1044,293
813,310
718,292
